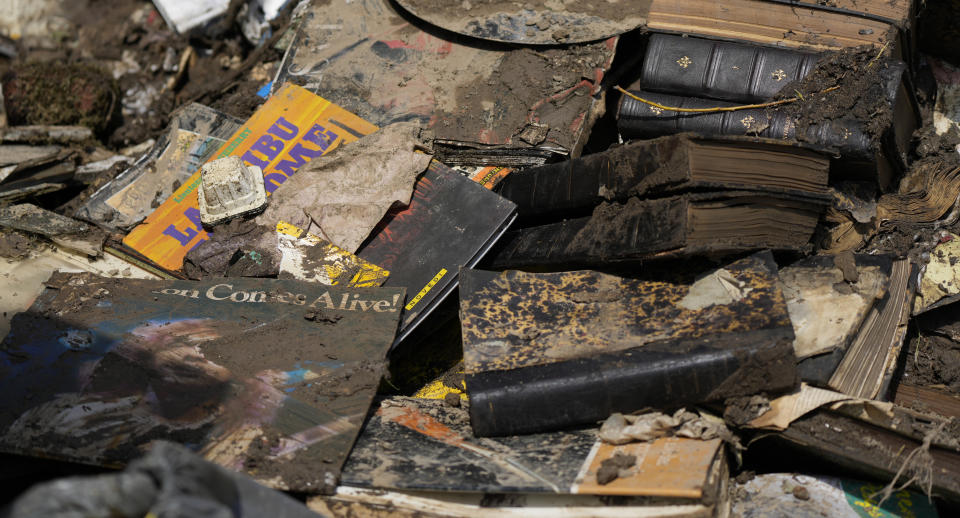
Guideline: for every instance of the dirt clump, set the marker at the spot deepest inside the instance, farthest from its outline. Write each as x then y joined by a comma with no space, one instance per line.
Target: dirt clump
845,85
57,93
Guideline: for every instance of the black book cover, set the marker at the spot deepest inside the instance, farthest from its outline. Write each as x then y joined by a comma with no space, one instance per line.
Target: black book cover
640,229
269,377
640,120
451,221
662,165
551,350
724,70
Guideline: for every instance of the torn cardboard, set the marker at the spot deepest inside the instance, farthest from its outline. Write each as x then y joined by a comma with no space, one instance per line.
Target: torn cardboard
342,197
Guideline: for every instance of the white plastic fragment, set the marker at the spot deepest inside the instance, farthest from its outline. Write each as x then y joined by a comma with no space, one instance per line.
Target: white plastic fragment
230,188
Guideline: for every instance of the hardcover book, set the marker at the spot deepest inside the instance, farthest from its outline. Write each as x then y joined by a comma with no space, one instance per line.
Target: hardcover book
793,24
550,350
828,298
859,148
666,164
640,120
270,377
716,222
451,222
724,70
437,440
869,364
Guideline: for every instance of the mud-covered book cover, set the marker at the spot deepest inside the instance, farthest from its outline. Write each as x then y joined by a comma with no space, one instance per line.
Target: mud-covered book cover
542,351
451,221
427,445
269,377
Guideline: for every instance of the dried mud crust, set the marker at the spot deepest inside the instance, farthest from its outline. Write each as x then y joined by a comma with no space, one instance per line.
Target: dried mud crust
533,21
451,8
933,361
859,75
60,94
528,86
17,245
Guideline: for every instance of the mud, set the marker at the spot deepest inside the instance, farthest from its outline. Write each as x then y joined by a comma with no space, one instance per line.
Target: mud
933,361
83,95
138,57
859,75
533,93
239,248
610,468
739,411
486,7
534,22
16,245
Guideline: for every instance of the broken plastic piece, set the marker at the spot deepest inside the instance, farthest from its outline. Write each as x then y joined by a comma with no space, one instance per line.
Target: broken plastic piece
230,188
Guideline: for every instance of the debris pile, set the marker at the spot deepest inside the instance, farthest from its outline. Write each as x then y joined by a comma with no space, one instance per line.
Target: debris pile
426,258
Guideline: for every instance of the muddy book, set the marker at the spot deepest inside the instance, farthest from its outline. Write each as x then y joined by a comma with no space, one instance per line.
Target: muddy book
850,317
293,127
882,442
451,222
693,223
868,367
863,142
829,298
544,351
269,377
672,163
793,24
437,440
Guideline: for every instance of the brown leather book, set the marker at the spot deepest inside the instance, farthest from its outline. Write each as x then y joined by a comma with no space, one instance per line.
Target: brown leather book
791,24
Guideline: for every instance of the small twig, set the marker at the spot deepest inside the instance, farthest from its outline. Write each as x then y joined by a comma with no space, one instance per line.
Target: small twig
884,47
718,108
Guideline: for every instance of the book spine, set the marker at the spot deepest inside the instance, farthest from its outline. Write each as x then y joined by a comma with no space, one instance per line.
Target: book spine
664,375
636,119
615,232
628,170
720,70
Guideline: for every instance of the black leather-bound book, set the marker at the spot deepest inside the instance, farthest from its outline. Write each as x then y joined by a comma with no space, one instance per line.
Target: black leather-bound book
544,351
640,120
720,69
667,164
879,153
697,223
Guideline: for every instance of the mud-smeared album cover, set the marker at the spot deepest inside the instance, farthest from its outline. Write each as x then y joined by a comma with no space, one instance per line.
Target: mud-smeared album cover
269,377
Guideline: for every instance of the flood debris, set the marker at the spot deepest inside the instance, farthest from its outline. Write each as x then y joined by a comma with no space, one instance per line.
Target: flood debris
229,188
427,258
170,480
342,196
62,230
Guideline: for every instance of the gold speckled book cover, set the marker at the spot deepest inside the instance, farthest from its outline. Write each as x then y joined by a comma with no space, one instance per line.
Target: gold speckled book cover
547,350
